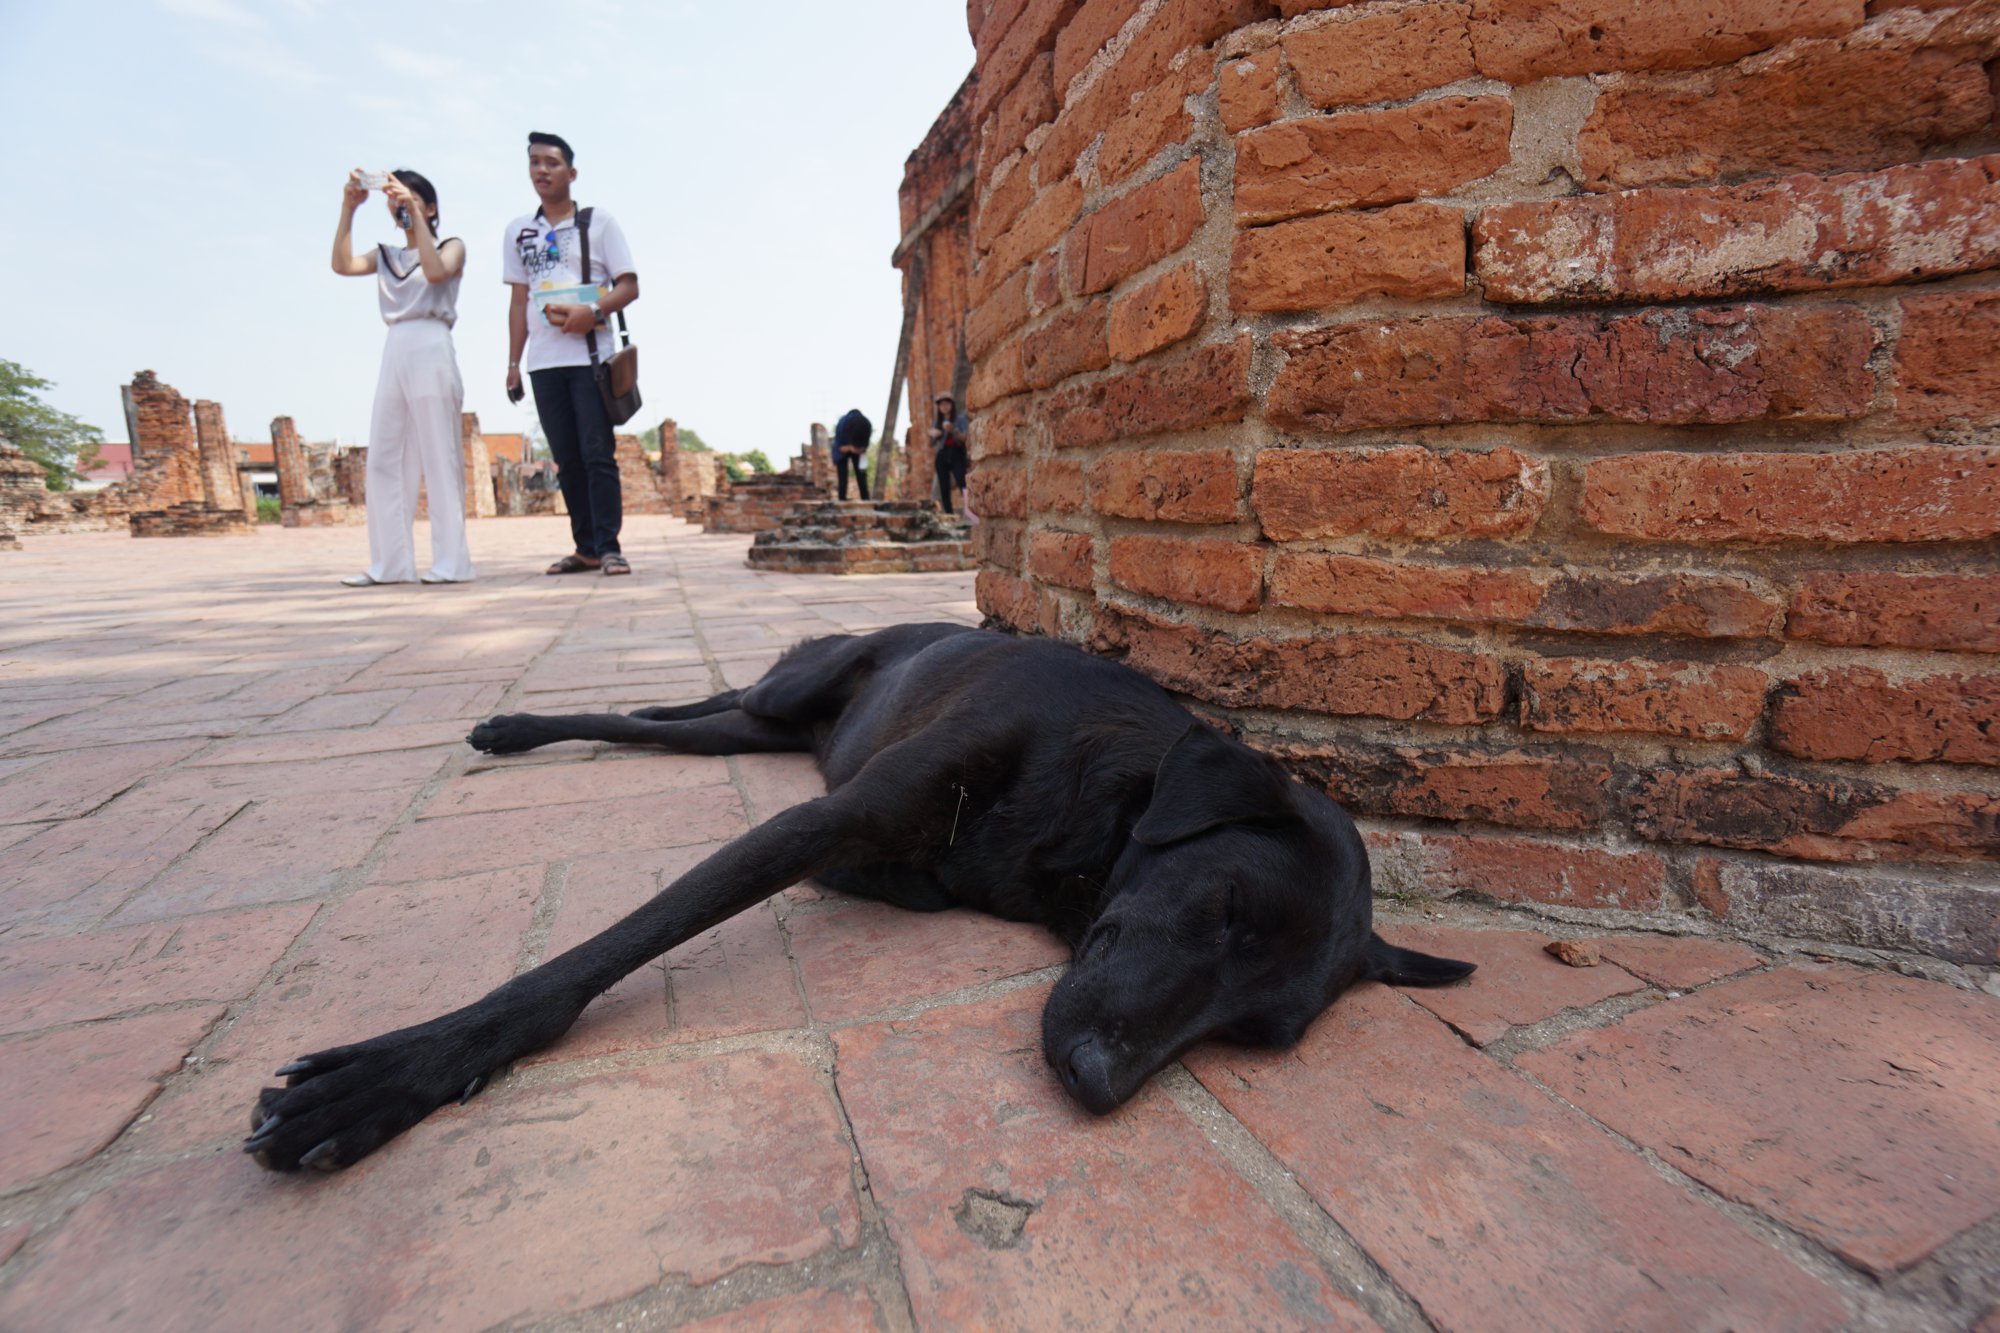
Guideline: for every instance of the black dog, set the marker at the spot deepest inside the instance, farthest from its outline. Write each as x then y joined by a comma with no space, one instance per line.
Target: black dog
1204,892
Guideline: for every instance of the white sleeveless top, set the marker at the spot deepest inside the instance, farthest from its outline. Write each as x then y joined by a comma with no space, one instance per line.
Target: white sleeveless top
407,294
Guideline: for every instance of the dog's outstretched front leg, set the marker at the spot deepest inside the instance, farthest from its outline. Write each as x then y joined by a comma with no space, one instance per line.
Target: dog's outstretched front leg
341,1104
728,732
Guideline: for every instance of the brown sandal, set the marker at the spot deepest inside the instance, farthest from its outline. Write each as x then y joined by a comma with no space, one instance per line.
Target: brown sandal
571,564
615,564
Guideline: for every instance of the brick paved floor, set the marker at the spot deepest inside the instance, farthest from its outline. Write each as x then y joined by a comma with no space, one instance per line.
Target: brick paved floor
237,823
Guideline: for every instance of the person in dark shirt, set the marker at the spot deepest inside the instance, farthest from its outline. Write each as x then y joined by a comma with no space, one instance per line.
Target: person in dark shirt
851,436
949,430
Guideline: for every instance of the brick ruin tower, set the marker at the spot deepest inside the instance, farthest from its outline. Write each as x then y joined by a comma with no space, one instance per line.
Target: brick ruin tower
178,489
1564,433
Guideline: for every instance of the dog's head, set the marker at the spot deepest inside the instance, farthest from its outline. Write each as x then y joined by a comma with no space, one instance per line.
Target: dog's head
1238,910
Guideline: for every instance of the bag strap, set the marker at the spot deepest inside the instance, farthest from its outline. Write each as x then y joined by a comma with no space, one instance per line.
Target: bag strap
583,239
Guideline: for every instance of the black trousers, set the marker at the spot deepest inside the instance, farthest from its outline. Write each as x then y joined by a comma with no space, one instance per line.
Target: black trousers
859,462
950,472
579,433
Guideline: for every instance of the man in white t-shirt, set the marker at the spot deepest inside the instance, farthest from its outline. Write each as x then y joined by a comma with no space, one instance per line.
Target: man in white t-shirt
550,320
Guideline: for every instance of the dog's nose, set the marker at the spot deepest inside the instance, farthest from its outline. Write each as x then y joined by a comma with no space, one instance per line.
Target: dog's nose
1086,1072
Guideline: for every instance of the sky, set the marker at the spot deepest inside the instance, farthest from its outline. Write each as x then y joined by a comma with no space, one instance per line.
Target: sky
178,166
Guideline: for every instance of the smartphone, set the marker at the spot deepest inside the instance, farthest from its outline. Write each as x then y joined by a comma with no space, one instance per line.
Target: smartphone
516,393
374,180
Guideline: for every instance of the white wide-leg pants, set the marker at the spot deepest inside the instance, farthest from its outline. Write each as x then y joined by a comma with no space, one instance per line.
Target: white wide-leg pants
415,433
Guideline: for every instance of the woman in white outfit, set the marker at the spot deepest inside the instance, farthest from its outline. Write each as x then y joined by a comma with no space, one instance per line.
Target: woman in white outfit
419,395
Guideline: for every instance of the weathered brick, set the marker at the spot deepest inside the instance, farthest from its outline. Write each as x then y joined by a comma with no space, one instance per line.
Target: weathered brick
1247,92
1575,694
1177,486
1350,675
1207,387
1010,52
1684,604
1031,105
1871,99
1070,344
1006,195
1096,22
1157,117
1946,367
1802,233
997,316
1001,373
1869,495
1055,486
1381,56
1823,819
1859,713
1540,789
1369,157
1404,491
1204,571
1134,230
1007,599
1007,429
1954,612
999,490
1518,870
997,545
1414,251
1706,365
1146,62
1159,313
1520,41
1064,558
1045,288
1950,919
1041,224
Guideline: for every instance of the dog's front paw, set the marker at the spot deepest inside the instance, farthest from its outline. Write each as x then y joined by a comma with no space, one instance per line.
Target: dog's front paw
509,733
340,1105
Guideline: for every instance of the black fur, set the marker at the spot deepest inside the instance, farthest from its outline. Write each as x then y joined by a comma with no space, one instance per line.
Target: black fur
1205,893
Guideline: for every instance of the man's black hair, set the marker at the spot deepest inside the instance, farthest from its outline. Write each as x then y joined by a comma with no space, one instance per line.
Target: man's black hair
553,141
420,187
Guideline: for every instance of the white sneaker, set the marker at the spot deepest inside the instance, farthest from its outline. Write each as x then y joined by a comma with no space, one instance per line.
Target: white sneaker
358,581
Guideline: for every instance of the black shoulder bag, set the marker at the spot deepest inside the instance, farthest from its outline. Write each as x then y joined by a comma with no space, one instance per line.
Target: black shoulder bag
618,378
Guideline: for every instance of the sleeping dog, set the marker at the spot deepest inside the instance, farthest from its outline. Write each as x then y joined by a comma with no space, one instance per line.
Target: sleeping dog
1205,894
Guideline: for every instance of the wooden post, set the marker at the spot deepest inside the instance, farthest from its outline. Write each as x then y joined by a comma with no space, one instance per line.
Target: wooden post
889,477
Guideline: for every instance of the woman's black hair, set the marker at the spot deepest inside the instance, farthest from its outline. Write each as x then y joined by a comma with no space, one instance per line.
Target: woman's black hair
421,188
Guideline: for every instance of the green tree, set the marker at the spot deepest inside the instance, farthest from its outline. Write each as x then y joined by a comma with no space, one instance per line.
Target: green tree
758,461
693,443
64,446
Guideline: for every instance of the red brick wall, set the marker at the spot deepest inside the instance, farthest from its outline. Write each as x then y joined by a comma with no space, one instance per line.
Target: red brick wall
1565,433
166,461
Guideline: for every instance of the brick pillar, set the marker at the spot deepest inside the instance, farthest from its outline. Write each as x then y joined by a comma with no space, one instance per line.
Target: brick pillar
219,484
820,459
295,485
478,468
166,462
635,474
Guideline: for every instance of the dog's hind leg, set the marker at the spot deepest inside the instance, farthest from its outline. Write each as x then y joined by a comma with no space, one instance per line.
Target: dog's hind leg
341,1104
726,732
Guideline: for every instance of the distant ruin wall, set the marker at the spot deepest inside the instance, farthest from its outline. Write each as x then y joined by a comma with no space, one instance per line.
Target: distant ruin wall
1564,433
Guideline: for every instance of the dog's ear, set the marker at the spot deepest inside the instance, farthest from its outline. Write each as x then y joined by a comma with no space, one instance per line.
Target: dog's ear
1407,967
1207,780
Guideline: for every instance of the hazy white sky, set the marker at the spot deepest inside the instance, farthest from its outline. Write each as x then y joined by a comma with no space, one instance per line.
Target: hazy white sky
173,175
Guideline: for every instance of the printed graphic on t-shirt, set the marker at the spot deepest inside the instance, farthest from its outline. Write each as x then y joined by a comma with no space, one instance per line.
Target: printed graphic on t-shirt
550,254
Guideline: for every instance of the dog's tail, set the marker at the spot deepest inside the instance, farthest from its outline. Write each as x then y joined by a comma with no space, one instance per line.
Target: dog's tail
720,703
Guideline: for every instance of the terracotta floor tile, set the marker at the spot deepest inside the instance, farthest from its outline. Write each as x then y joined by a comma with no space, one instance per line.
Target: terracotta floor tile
578,780
1517,983
80,978
70,1093
1490,1203
459,844
863,958
1013,1208
64,786
1857,1107
1678,964
388,957
522,1205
